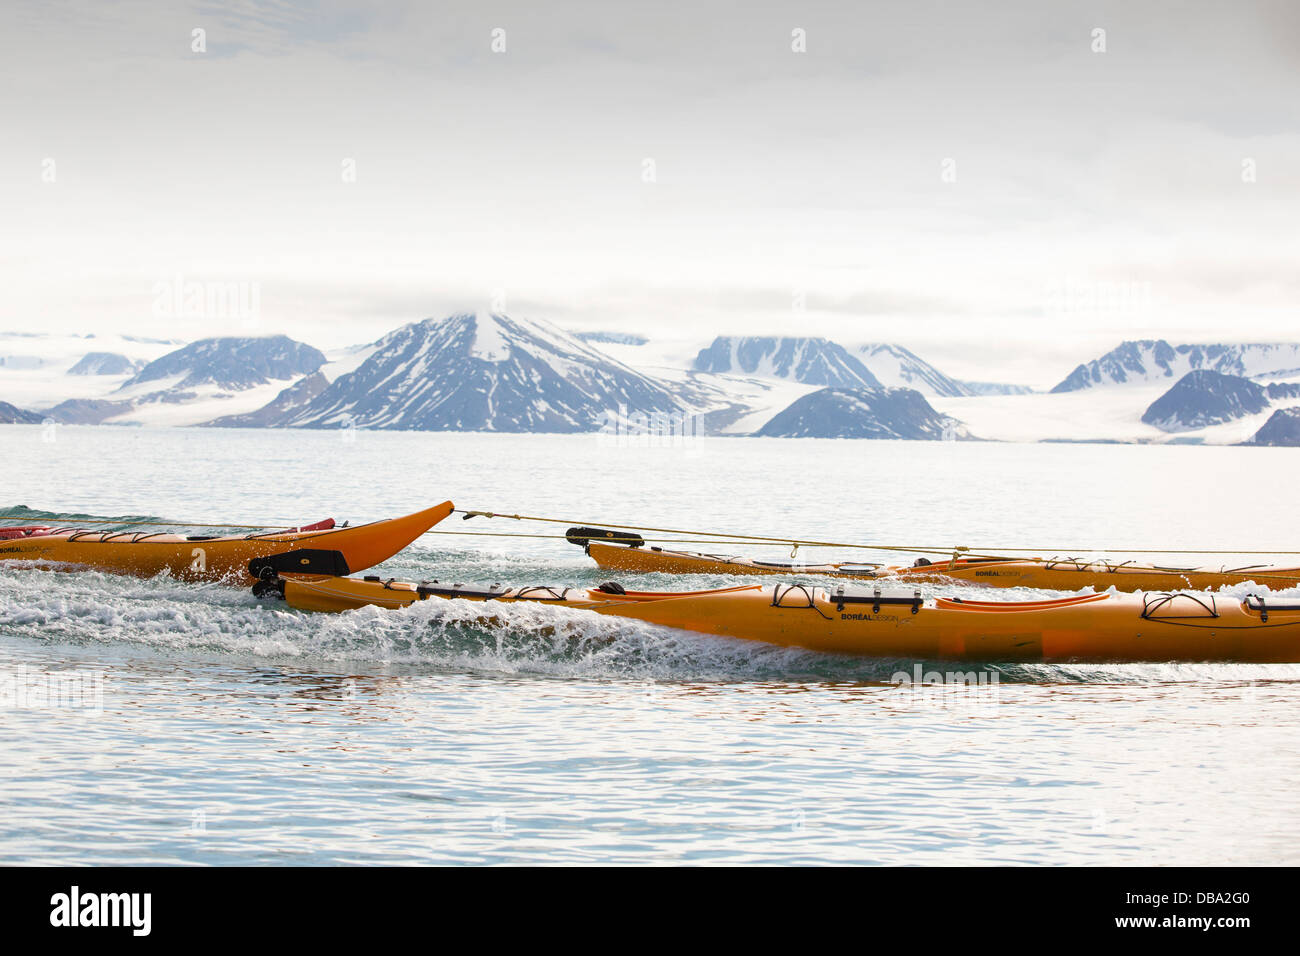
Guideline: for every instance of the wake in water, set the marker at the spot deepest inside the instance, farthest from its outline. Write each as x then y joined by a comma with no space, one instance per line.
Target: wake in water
87,609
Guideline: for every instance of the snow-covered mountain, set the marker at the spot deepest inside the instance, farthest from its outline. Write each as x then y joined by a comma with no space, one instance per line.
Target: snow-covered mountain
35,371
721,404
195,383
284,406
106,363
809,360
88,411
10,415
818,361
483,373
497,373
872,412
233,363
1155,360
1282,428
897,367
1202,397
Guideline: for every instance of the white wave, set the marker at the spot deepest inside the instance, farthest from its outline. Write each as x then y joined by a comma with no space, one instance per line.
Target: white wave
87,609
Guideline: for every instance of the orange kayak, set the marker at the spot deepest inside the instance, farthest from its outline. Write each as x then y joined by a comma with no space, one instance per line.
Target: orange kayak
1055,575
1086,627
325,549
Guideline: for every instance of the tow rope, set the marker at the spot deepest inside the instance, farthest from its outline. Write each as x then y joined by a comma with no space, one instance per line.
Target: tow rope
724,537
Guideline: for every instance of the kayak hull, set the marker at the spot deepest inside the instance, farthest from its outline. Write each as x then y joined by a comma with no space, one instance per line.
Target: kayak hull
998,572
1088,627
219,558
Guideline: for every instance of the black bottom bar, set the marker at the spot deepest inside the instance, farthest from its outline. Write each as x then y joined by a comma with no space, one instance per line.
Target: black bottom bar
949,905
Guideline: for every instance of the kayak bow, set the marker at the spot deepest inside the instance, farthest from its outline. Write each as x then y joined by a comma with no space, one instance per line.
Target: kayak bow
324,548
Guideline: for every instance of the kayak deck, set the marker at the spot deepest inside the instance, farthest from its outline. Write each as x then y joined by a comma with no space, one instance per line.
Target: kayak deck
1056,574
1161,626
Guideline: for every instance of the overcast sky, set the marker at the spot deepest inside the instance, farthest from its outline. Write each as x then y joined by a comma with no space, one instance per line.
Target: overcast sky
982,187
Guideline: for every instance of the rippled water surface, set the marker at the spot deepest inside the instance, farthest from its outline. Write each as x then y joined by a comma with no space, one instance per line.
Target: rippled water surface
160,722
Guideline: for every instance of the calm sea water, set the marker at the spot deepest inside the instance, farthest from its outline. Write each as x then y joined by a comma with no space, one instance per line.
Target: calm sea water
157,722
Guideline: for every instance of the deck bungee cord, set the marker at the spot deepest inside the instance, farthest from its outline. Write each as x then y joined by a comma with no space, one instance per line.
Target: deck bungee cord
150,523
